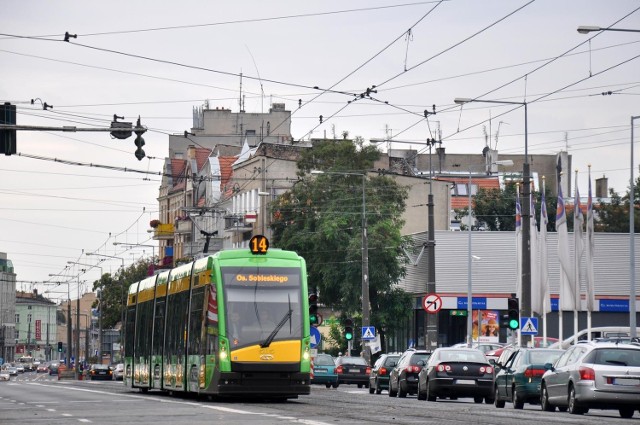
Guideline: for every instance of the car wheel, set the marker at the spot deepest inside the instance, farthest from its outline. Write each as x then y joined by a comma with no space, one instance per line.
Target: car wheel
517,403
574,406
378,389
544,400
371,390
626,412
562,409
402,392
335,385
430,394
421,395
392,392
359,385
328,385
477,399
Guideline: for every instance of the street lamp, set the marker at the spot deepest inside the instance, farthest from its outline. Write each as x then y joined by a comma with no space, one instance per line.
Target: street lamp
585,29
365,254
153,250
122,307
525,305
506,163
100,317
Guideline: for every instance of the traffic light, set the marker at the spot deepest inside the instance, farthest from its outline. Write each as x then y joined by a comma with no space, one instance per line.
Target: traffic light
59,347
7,137
348,329
139,130
313,308
513,311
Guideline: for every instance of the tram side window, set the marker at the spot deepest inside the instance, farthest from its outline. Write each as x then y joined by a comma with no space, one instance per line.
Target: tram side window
176,323
129,331
144,328
158,327
195,321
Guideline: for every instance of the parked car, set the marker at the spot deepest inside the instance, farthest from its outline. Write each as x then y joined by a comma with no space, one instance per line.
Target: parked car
456,372
403,379
324,371
379,376
518,380
4,375
118,372
538,342
353,370
593,376
100,371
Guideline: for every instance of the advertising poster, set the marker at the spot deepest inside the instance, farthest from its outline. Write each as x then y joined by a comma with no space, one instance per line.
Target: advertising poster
486,325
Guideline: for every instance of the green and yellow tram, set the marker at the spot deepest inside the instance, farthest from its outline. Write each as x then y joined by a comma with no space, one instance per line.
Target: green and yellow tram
234,323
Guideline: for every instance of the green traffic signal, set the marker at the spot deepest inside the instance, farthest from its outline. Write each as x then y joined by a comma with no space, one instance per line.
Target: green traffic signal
348,329
513,324
513,311
348,335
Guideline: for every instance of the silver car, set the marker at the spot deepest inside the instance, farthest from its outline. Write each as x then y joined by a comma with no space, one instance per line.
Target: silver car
593,375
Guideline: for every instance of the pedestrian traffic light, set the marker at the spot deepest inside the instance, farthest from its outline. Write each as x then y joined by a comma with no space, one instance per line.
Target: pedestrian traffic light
8,137
513,311
313,308
139,130
348,329
59,347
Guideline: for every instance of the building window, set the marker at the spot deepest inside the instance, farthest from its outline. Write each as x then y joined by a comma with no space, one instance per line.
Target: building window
17,318
28,307
462,189
29,318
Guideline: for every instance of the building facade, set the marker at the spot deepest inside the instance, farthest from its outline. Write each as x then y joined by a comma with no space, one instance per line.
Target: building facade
7,309
36,326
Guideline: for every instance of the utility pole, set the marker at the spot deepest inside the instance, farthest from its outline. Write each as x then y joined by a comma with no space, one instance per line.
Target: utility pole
431,320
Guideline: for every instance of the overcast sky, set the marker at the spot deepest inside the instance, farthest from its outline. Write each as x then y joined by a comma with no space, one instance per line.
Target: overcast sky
159,59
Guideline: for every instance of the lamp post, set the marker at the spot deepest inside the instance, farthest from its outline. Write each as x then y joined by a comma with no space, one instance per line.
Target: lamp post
100,302
69,320
153,250
506,163
585,29
122,307
365,255
525,304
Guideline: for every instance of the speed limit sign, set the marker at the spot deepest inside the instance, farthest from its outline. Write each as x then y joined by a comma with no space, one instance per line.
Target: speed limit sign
432,303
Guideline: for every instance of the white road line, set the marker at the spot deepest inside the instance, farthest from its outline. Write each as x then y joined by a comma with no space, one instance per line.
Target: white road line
84,420
67,414
51,410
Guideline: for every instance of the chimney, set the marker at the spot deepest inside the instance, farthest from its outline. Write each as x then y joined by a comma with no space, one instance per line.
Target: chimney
602,187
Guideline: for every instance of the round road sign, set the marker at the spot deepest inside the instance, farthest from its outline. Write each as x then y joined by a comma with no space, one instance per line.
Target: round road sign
432,303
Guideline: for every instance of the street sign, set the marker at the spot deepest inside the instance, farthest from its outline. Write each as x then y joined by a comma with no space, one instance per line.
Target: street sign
316,337
432,303
368,333
528,326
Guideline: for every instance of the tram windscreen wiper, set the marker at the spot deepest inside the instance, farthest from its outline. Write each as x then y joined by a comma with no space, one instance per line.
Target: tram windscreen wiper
267,342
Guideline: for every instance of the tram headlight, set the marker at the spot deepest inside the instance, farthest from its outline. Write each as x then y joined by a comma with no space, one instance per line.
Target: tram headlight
305,355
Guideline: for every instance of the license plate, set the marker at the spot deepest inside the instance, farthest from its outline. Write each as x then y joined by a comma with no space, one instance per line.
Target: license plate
354,370
632,382
319,370
466,382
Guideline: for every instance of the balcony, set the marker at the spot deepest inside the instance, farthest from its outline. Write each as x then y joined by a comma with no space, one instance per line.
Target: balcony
163,232
236,223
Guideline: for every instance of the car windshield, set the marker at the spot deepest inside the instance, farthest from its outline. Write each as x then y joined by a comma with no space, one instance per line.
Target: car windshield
324,361
463,356
418,357
353,360
617,356
543,356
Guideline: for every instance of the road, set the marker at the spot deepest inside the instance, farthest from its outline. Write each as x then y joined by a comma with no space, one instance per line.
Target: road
31,399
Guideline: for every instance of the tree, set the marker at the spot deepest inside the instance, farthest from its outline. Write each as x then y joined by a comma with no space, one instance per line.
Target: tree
495,209
113,291
321,219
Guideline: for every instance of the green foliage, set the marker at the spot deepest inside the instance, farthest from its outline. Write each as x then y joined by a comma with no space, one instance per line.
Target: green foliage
113,291
321,219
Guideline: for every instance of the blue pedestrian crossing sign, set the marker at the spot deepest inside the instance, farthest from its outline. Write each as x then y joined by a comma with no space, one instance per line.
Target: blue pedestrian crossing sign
368,333
529,326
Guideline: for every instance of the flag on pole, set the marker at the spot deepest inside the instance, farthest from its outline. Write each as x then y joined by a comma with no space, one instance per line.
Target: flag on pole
544,257
518,244
590,252
536,300
375,344
567,299
578,223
